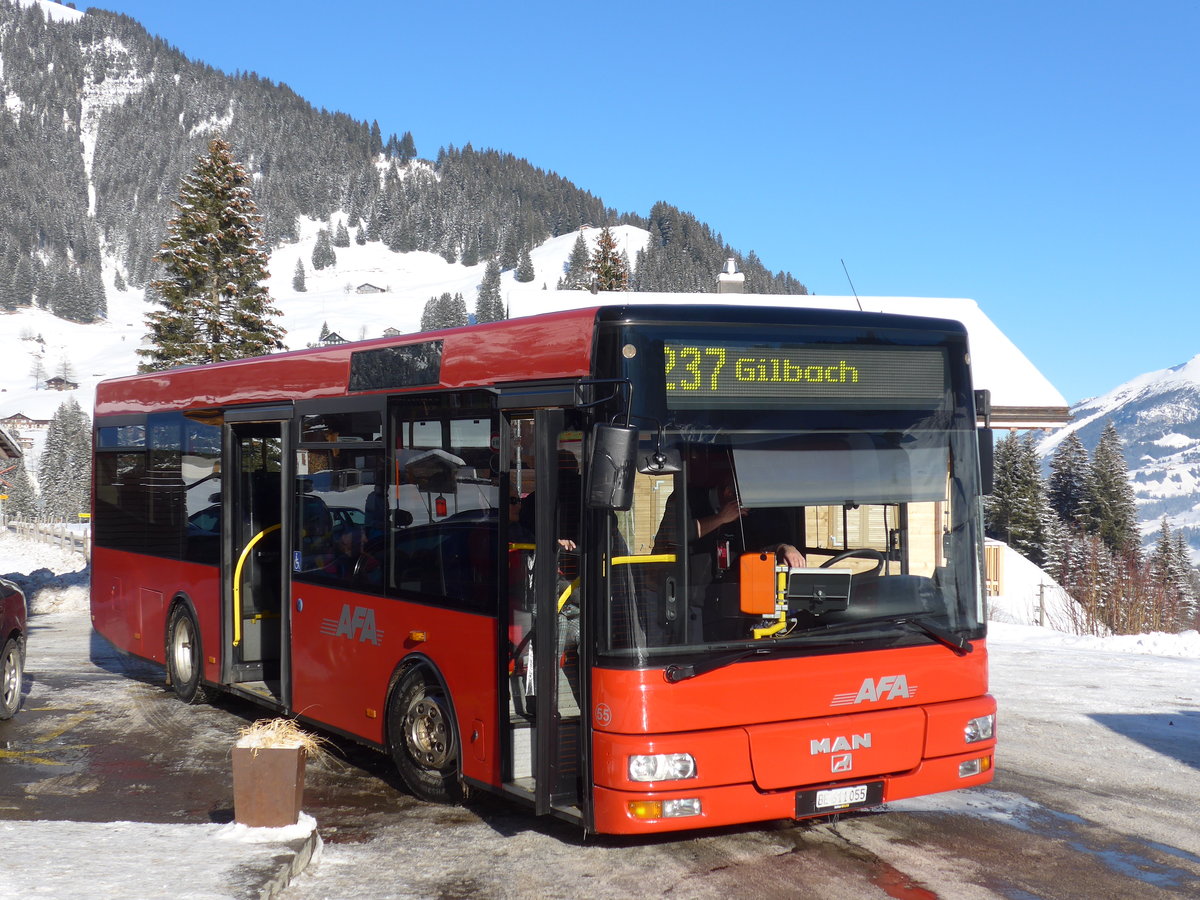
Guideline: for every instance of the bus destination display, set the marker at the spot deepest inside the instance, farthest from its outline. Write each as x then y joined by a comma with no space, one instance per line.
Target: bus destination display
710,374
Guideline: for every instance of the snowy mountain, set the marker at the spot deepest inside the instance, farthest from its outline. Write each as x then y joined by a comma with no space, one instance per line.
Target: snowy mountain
99,121
1157,416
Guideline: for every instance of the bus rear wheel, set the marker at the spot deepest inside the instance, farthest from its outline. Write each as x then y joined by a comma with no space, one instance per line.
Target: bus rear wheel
184,660
424,741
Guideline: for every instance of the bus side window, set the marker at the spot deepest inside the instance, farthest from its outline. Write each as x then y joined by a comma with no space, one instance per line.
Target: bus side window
443,465
341,534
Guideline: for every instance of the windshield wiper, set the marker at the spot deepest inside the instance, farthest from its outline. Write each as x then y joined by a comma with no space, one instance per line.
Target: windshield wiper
676,673
959,644
955,642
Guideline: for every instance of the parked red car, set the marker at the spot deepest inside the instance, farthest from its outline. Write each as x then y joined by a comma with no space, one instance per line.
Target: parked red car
12,647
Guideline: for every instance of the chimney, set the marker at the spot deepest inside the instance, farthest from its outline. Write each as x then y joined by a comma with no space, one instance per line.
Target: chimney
731,281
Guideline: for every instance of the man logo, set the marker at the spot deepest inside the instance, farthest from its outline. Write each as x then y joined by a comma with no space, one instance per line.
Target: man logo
841,762
839,743
886,687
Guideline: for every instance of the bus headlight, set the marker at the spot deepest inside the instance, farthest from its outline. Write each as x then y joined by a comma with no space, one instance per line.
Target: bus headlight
665,809
980,729
662,767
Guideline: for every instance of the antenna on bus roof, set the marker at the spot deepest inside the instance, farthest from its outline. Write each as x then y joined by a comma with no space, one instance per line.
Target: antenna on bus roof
847,271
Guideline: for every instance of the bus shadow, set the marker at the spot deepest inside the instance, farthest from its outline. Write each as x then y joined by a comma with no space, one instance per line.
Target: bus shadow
1174,734
508,820
103,655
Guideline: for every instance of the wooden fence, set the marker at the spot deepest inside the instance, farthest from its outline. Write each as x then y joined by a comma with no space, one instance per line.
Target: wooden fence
57,534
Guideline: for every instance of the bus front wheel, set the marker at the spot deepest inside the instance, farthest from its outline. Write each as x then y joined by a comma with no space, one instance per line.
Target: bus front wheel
424,741
184,661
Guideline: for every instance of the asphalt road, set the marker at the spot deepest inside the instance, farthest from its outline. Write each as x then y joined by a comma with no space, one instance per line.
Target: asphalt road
101,739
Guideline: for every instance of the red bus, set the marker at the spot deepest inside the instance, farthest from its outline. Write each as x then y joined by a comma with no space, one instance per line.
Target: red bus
644,568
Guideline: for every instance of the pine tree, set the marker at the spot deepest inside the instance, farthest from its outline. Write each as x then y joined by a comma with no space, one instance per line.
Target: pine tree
323,255
1168,581
445,311
510,249
1067,484
298,283
64,470
1017,512
575,276
458,311
1110,510
341,235
431,314
606,264
408,148
1189,580
525,271
214,305
22,502
488,305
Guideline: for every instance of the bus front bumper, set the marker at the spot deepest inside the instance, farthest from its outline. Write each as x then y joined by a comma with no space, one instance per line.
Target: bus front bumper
631,812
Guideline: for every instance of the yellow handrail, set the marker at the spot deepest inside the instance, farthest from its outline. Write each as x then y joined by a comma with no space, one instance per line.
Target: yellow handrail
654,557
616,561
237,582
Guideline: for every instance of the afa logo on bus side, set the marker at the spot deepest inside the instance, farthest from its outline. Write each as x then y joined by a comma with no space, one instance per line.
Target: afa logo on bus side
356,623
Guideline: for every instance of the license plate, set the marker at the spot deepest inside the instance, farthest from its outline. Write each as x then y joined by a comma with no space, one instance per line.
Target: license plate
843,796
838,799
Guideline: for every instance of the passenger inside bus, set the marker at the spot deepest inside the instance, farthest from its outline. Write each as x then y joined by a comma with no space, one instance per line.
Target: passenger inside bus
348,557
569,490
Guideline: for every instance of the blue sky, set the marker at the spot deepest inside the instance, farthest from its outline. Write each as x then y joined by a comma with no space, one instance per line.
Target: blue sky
1039,157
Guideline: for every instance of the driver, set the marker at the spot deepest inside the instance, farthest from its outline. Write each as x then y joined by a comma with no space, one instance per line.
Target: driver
719,528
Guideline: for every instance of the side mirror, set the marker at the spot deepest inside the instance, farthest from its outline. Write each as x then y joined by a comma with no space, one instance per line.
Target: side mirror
660,462
987,466
611,467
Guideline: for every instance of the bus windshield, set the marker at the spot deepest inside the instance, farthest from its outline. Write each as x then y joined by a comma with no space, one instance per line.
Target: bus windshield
767,539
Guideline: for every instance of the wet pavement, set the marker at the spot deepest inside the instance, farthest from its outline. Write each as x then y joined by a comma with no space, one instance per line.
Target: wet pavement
110,787
104,764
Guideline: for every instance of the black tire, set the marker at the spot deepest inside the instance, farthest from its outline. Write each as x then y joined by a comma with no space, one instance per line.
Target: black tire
12,665
424,741
185,661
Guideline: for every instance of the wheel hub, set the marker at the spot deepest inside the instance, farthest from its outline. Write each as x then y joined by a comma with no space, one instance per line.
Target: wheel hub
427,733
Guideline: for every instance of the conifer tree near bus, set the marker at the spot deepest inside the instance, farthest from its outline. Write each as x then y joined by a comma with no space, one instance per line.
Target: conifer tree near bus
607,264
489,306
1110,509
213,303
65,467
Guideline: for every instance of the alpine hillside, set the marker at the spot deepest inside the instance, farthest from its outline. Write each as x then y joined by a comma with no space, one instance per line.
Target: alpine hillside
1157,416
99,121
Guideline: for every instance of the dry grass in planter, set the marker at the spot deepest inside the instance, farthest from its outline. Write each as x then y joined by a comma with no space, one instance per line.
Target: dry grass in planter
280,734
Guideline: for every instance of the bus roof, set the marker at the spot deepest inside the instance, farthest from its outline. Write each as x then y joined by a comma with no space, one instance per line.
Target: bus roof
539,343
1022,397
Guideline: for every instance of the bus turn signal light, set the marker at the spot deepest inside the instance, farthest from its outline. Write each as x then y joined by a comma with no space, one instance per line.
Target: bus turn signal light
974,767
665,809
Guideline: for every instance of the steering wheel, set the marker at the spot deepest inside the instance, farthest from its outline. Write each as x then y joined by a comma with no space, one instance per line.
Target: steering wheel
365,567
864,552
